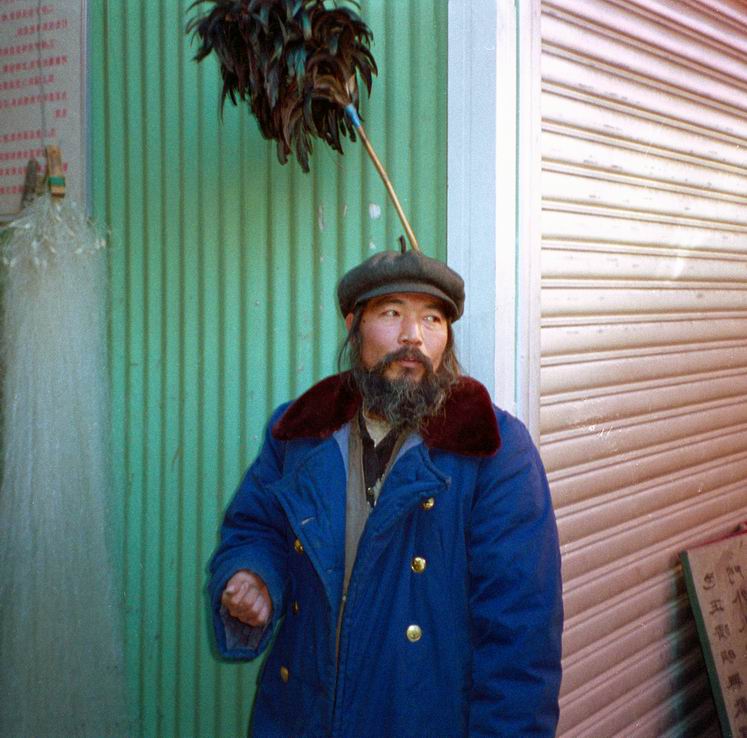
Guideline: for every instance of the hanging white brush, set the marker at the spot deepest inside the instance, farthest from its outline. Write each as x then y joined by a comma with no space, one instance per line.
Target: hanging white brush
61,654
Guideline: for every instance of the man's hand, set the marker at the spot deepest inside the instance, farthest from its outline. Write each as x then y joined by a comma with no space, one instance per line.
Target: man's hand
246,598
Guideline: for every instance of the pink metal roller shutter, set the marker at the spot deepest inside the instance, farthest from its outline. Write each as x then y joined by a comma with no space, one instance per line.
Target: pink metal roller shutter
644,340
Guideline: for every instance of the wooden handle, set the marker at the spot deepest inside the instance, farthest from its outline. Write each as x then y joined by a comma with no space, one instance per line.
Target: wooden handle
30,183
352,114
55,172
389,188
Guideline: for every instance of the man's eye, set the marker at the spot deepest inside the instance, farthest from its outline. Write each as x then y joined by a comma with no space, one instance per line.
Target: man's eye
391,313
433,318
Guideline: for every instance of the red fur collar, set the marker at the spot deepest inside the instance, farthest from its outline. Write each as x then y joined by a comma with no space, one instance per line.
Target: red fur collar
467,424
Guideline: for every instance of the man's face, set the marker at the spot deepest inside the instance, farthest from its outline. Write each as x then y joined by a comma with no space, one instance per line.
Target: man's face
411,325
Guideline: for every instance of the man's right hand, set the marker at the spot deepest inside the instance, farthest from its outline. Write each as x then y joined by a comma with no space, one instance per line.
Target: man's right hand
246,598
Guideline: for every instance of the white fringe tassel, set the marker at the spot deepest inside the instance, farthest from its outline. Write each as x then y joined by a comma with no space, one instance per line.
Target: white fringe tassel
61,648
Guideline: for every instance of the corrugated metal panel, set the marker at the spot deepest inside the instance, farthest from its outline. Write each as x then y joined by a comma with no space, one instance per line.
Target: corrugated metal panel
223,268
644,340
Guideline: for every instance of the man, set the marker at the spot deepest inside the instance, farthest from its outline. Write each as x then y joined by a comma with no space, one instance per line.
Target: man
401,527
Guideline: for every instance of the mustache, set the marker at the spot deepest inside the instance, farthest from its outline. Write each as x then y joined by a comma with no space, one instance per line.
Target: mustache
406,353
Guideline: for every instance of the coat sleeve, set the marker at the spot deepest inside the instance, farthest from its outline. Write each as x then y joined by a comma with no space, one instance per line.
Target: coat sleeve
252,537
515,594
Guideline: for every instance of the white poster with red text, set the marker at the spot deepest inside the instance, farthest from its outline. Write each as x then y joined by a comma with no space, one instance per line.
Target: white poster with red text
42,93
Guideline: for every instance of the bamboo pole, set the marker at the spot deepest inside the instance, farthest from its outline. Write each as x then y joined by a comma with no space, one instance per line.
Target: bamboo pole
352,114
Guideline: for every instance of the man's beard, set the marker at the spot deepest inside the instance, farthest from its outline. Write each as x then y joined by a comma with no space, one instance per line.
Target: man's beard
403,402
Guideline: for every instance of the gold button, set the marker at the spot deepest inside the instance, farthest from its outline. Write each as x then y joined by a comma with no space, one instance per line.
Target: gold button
284,674
428,504
418,565
296,607
414,633
298,546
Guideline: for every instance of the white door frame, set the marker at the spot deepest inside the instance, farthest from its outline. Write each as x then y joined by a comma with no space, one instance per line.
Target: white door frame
493,208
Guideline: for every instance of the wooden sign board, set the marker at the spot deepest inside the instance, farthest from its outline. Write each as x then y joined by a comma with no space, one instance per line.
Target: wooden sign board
716,578
42,86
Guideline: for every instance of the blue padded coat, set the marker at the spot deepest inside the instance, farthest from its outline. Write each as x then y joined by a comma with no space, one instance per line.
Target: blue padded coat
463,642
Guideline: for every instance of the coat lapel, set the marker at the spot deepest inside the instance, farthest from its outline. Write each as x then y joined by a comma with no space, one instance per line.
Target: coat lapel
313,497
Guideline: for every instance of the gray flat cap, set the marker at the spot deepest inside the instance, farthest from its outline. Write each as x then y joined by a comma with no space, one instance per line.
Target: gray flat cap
391,271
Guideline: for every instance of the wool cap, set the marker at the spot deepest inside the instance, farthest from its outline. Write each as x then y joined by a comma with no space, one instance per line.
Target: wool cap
391,271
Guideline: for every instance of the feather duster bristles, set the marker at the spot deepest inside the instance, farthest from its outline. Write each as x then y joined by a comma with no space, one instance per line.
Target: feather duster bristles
295,62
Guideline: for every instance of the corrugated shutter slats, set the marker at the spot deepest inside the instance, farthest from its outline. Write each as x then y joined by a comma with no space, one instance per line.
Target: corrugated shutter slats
644,340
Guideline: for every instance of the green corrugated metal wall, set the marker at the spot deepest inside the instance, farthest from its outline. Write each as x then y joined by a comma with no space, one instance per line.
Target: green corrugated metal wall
223,267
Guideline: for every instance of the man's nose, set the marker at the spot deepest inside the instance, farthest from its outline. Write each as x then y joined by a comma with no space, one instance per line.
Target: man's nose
410,333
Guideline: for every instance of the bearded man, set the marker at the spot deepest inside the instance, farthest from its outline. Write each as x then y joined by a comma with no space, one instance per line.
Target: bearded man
396,531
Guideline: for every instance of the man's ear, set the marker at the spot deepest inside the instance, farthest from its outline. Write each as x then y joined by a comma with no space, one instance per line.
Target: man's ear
348,321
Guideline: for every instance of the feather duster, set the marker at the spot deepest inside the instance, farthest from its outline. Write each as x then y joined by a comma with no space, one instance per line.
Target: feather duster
295,62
